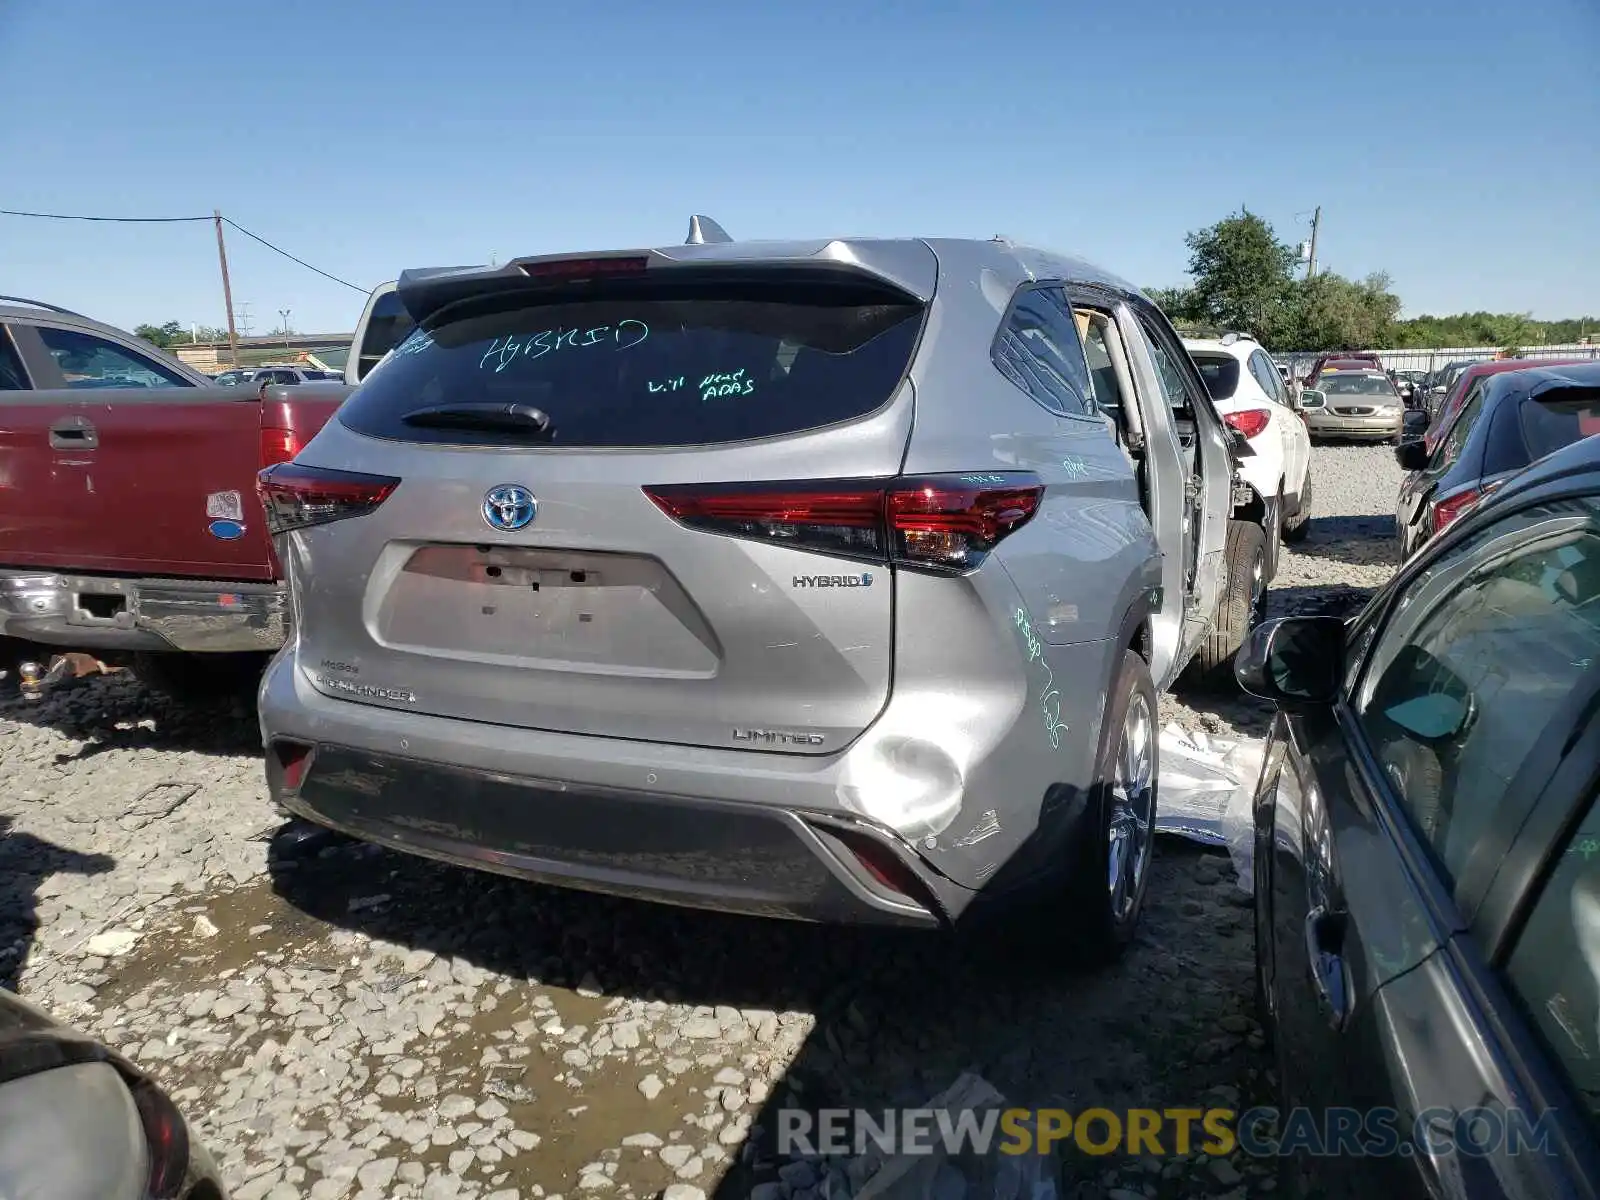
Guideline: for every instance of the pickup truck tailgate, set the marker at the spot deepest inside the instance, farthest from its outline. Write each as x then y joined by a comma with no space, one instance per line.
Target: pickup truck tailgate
133,481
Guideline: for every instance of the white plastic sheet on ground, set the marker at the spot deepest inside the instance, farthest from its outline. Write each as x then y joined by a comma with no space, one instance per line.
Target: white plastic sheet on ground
1206,787
952,1173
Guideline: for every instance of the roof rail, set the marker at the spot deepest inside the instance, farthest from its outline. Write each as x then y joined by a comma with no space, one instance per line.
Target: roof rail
703,230
55,308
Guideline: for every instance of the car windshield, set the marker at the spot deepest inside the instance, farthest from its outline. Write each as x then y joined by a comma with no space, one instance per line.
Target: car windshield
680,366
1221,373
1355,385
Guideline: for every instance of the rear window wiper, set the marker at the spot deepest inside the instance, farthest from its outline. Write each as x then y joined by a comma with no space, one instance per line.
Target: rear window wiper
510,418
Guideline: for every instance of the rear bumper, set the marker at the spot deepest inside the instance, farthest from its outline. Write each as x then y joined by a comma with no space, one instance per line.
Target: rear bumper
710,854
102,612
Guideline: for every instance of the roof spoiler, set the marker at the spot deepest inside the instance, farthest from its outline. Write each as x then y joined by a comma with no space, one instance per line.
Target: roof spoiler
703,230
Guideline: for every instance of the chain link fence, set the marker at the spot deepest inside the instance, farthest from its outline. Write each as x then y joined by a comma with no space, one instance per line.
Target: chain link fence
1431,361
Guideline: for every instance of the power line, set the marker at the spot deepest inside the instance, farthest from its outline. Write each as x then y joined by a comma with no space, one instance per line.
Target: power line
11,212
317,270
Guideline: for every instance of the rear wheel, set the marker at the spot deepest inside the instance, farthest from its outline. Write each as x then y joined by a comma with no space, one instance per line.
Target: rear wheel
1108,870
1296,530
1242,603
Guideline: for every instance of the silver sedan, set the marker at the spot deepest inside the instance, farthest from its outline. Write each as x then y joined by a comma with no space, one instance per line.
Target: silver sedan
1353,404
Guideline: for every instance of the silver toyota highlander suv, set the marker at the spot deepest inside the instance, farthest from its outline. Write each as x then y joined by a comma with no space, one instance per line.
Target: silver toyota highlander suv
830,580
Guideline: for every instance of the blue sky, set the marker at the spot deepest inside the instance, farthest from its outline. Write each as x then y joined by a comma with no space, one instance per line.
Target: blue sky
1453,143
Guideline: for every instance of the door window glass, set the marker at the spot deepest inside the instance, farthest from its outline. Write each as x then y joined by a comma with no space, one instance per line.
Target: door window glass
87,361
1481,650
1174,384
1171,378
12,377
1039,351
1266,375
1102,373
1554,969
1452,442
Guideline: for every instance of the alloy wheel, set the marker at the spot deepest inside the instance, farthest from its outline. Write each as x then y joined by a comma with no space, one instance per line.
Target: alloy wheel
1130,831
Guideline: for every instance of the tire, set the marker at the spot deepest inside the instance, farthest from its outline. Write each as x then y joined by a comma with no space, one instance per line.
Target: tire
1296,532
1419,776
189,678
1124,794
1212,668
1272,534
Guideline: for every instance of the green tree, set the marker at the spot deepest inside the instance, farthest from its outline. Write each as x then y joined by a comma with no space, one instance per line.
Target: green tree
1330,312
1243,277
1177,302
162,335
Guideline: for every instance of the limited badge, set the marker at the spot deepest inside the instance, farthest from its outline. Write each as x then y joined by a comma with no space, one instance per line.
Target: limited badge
225,506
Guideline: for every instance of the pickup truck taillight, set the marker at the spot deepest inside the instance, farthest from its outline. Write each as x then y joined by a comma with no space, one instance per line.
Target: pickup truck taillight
278,445
298,497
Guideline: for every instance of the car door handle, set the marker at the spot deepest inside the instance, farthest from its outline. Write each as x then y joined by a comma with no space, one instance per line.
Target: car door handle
1325,958
73,433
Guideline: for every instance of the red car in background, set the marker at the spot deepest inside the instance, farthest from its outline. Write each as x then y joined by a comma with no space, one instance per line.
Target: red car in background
1342,360
1472,378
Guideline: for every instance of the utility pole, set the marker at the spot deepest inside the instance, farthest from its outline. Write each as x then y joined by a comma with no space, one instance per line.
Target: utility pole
1316,226
284,313
227,288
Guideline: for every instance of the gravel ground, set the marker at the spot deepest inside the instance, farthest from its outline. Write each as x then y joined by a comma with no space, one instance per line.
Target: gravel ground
369,1025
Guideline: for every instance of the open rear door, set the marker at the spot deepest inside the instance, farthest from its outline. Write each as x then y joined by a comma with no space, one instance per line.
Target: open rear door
384,325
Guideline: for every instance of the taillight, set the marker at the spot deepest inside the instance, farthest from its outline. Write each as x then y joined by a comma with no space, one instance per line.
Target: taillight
168,1139
278,445
942,522
578,269
1443,512
296,497
1249,421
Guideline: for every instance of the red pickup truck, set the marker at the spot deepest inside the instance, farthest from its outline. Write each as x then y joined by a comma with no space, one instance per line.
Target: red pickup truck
129,525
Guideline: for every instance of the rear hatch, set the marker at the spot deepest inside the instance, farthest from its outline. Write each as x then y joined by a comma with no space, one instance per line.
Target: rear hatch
636,507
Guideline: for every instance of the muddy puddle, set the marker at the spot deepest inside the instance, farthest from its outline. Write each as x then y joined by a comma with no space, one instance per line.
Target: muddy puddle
500,1038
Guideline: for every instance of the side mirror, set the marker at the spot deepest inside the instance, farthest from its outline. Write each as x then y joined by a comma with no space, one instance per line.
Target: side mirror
1295,661
1310,398
1412,454
1415,422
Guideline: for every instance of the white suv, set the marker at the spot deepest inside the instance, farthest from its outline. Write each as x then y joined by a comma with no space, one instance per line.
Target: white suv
1250,393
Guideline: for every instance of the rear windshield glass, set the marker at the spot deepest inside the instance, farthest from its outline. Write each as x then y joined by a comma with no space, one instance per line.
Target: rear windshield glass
1355,385
1221,373
683,366
1559,419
